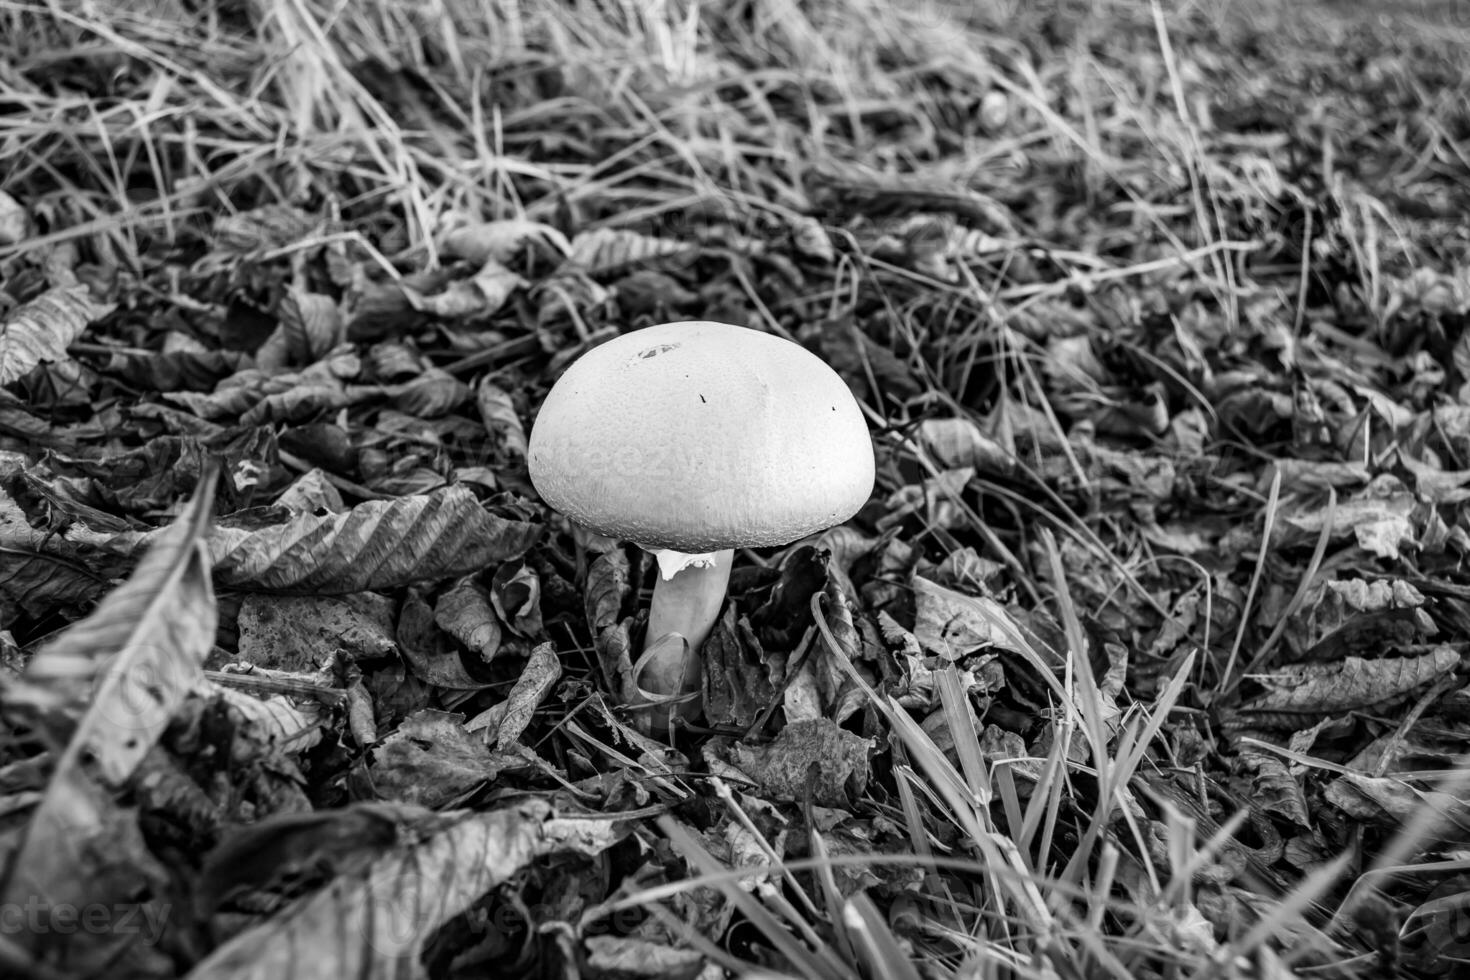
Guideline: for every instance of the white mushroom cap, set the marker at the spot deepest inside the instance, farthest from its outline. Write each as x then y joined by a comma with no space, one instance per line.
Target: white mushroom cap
698,437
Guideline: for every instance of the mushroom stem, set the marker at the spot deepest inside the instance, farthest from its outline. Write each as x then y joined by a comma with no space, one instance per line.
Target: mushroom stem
686,603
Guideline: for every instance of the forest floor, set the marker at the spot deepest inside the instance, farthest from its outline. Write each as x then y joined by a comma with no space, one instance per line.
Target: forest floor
1146,658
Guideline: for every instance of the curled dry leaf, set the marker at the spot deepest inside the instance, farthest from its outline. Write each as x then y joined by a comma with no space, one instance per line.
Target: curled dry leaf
737,683
431,760
124,669
345,840
15,224
465,613
602,250
953,624
1351,683
1274,789
540,674
958,443
814,759
379,544
515,591
128,665
426,651
268,227
42,329
432,394
304,632
310,325
478,296
498,413
375,924
501,241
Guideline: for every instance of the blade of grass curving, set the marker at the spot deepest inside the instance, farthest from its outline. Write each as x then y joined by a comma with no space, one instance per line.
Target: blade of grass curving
955,706
1272,503
874,941
818,962
1285,914
1303,589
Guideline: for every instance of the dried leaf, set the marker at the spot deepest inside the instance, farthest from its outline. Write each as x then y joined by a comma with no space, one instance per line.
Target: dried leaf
615,656
287,844
631,958
431,760
541,673
378,544
602,250
1391,803
953,625
431,657
465,613
376,924
810,760
129,665
811,240
608,590
42,329
737,683
478,296
501,241
305,632
1274,789
1352,683
516,592
268,227
432,394
498,413
310,325
15,224
958,443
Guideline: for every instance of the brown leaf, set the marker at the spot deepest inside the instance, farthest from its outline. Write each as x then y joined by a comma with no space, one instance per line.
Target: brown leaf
608,590
432,394
304,632
268,227
813,759
376,923
431,760
281,845
378,544
42,329
427,652
1352,683
540,674
501,241
737,682
515,591
465,613
498,413
602,250
128,665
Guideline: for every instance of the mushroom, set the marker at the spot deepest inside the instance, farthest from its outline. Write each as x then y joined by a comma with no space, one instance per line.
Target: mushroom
690,440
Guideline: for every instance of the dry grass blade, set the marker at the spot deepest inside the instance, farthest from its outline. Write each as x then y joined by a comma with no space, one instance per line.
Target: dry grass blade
42,329
375,925
821,963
